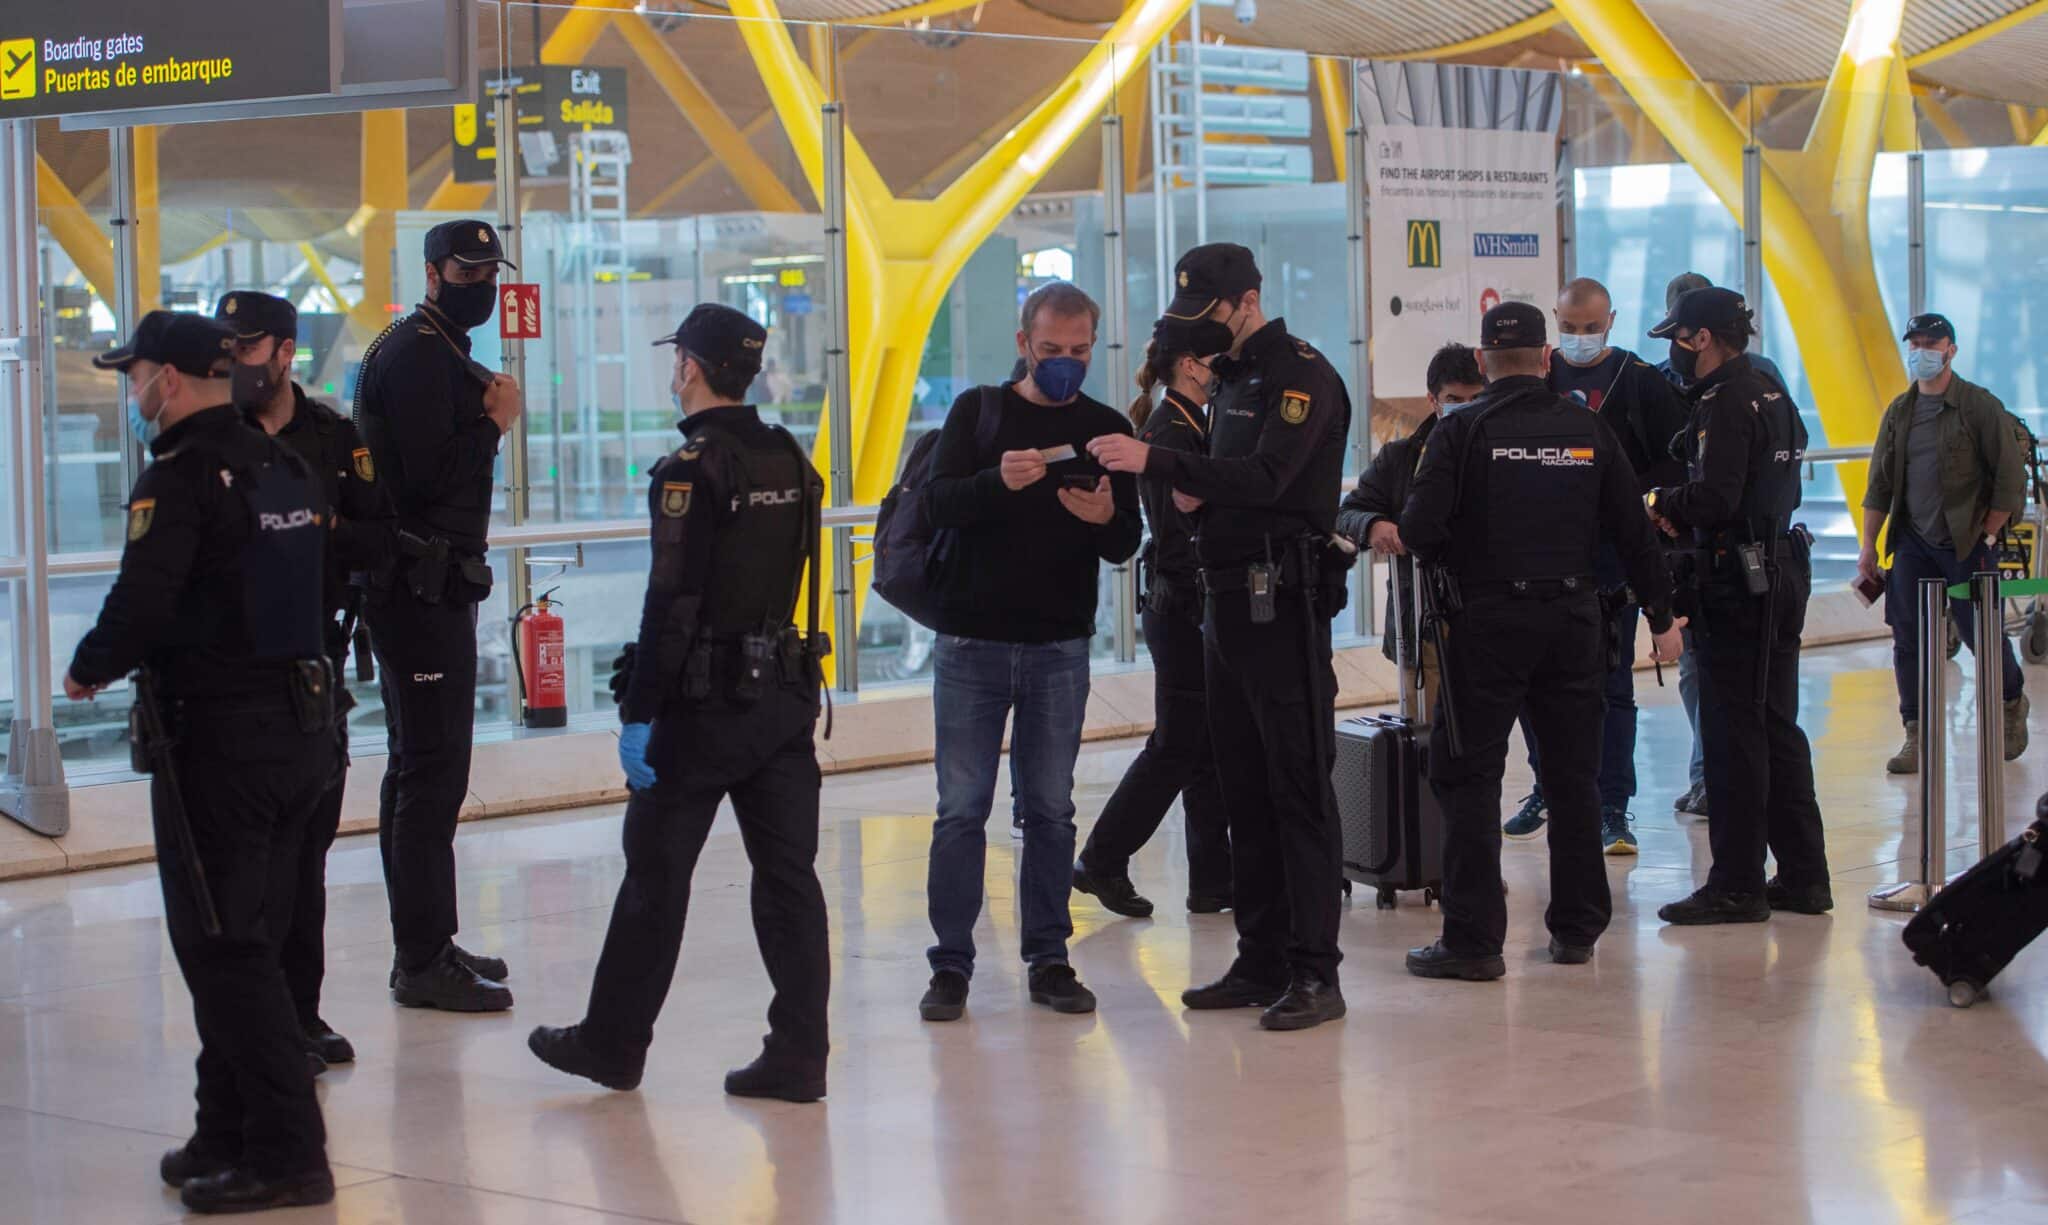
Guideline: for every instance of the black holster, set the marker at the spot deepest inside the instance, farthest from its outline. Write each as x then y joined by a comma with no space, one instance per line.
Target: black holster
426,570
312,695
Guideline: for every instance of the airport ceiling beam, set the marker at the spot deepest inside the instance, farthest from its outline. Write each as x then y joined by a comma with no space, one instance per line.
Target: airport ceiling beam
76,233
1508,35
1820,254
1989,30
903,255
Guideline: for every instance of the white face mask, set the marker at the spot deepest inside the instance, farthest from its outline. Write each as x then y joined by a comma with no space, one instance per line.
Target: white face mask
1580,350
1924,363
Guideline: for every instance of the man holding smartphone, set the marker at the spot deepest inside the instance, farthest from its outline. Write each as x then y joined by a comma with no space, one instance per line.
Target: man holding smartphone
1949,473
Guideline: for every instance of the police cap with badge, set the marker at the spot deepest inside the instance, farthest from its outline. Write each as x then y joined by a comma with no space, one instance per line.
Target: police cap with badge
193,345
1207,275
721,339
255,315
469,242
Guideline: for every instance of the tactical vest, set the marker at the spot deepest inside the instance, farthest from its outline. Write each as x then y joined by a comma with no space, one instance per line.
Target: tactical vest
762,545
1773,491
282,562
1531,486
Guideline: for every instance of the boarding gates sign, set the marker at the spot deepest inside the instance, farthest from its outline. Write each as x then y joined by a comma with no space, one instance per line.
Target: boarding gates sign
74,57
1461,174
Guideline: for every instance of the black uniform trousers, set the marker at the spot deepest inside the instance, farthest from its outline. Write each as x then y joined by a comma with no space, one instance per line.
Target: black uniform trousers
1272,691
249,779
762,756
1507,654
1759,764
427,657
1176,761
304,953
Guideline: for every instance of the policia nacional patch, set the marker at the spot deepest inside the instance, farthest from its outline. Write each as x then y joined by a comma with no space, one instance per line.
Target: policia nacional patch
1294,407
141,513
675,498
366,468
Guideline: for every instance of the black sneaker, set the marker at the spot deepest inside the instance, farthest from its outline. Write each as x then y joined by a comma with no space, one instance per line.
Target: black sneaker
1209,903
447,984
182,1165
1232,991
324,1042
1436,961
1799,899
1055,985
1308,1003
1569,954
565,1050
1528,820
1708,906
1616,838
1116,893
244,1190
782,1081
946,998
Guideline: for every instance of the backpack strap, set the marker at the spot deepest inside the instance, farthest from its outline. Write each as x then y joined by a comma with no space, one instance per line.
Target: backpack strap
989,419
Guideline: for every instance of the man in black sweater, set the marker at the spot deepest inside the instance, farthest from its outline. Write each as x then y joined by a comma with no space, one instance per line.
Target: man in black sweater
1033,517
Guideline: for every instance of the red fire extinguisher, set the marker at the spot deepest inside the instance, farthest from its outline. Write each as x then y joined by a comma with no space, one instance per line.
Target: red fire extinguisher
539,655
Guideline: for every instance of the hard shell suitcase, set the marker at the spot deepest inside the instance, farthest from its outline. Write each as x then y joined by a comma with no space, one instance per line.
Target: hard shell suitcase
1973,927
1392,827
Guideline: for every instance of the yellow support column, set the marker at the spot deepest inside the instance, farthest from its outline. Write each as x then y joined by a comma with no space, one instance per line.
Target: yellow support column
904,254
376,222
1335,93
75,232
1815,200
149,231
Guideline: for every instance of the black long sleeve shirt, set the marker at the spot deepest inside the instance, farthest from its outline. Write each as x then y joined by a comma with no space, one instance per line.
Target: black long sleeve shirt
1025,569
1178,424
421,410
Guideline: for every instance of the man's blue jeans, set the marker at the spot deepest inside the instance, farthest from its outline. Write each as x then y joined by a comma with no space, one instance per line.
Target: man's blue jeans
1914,559
1689,696
976,686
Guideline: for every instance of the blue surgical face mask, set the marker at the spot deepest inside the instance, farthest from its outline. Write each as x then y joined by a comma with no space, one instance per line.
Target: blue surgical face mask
141,428
1924,363
1060,378
1580,350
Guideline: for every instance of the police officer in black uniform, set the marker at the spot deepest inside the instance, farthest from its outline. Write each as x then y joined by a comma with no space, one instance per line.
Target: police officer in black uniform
720,700
433,418
1754,574
218,603
1271,579
1514,496
359,540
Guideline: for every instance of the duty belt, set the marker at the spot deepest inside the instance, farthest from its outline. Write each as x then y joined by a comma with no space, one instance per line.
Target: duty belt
1225,579
1535,588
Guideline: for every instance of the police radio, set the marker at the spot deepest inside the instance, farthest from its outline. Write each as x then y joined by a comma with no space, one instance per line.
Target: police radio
539,654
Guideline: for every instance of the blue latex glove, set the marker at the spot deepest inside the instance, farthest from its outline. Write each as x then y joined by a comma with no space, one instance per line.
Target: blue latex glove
633,755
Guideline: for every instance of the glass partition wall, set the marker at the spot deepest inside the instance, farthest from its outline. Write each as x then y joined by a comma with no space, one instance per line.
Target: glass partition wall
656,169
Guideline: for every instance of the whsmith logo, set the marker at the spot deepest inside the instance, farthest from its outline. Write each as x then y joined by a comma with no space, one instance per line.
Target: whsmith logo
1549,457
1425,244
1506,246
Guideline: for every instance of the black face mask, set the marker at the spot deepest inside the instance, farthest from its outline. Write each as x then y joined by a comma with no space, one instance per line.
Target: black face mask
1684,362
252,386
467,306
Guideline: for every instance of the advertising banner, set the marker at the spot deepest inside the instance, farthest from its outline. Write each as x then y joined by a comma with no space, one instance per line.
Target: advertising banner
1464,208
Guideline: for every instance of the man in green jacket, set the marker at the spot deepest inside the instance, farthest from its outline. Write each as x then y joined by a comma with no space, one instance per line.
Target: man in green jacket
1948,472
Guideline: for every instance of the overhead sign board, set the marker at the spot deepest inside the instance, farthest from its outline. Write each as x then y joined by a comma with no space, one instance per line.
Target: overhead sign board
77,57
554,101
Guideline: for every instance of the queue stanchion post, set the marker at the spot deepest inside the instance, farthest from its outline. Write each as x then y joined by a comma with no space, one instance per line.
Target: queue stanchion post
1913,895
1989,608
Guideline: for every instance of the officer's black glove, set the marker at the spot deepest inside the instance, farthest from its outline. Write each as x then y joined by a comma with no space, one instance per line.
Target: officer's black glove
622,672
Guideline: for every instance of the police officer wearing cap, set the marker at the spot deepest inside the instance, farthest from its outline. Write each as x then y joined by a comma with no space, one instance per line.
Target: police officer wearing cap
1515,495
359,540
1753,572
217,610
1267,494
720,700
432,418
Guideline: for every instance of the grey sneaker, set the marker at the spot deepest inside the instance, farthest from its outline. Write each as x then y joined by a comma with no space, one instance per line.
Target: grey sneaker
2015,727
1907,759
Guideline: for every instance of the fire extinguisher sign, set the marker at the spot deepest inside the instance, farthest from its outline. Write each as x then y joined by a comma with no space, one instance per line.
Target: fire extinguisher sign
518,312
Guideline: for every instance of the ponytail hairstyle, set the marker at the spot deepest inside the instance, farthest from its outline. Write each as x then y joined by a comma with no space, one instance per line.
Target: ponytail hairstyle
1154,372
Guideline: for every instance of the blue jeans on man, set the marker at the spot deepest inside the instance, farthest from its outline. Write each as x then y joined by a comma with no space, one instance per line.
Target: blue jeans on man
977,686
1618,726
1689,697
1913,559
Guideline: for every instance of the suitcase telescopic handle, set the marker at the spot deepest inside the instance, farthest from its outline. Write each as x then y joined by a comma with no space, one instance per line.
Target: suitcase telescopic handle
1407,657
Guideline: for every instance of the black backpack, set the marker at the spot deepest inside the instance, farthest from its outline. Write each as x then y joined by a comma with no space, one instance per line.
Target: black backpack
912,556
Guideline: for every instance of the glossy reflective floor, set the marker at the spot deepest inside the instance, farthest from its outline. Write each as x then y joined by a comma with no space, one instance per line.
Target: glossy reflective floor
1802,1070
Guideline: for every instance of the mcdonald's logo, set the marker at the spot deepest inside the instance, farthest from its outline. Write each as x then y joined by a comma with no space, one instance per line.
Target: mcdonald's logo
1425,244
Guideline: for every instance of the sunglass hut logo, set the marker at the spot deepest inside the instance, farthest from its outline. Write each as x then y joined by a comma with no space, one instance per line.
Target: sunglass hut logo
1548,457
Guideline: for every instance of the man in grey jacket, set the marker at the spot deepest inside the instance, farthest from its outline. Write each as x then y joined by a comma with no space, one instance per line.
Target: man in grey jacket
1948,472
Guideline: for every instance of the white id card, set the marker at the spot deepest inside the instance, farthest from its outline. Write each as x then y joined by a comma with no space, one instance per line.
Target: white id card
1057,455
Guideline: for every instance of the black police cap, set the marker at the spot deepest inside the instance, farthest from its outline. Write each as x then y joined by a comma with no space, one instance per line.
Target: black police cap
253,314
1513,325
1930,325
1211,274
192,344
1198,338
468,241
720,336
1713,308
